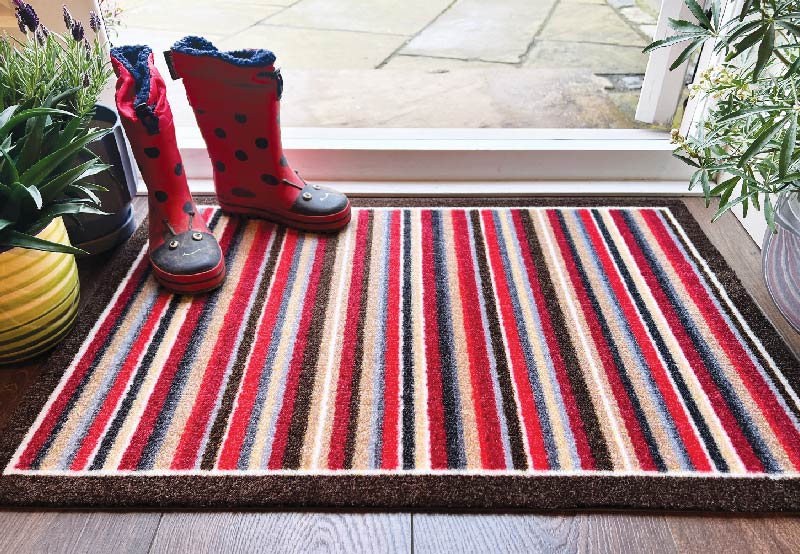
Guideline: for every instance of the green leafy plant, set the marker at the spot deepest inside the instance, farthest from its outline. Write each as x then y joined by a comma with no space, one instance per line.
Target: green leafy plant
49,84
747,139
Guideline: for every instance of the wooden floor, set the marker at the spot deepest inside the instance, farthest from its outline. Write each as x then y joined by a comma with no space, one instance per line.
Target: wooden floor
39,531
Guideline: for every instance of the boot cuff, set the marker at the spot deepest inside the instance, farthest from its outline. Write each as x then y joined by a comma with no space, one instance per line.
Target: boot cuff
136,60
198,46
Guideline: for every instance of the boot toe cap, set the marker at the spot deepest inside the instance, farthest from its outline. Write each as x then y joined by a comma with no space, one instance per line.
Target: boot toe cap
315,200
188,253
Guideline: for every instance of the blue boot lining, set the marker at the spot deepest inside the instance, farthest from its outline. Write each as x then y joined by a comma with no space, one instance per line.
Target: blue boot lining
198,46
135,59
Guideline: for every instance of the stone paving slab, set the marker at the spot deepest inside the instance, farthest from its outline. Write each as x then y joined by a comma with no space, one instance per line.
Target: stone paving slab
317,49
425,63
589,23
404,17
193,17
598,58
470,98
497,30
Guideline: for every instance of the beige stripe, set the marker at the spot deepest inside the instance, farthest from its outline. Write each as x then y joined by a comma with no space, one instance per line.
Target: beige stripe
727,365
550,389
685,369
201,362
361,453
609,418
284,352
472,445
105,366
422,453
327,371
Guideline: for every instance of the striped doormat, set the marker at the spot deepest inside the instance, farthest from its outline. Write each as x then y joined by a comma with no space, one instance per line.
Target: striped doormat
519,354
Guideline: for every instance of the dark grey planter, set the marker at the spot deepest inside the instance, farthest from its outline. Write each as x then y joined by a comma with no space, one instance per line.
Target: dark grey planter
98,233
781,258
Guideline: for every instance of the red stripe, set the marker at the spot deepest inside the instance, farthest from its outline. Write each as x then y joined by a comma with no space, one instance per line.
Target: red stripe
391,393
240,418
432,355
624,404
296,363
155,403
568,398
519,368
344,387
480,366
677,411
759,389
235,313
740,443
114,395
59,404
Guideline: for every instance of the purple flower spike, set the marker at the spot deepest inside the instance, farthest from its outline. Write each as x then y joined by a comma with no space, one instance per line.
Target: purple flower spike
94,21
41,35
86,80
87,48
77,31
20,22
27,15
67,17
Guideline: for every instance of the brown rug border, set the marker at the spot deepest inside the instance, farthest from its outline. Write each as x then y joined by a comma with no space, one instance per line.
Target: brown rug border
502,493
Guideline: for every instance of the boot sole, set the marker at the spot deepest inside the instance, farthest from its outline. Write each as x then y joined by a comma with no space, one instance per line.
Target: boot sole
317,224
192,284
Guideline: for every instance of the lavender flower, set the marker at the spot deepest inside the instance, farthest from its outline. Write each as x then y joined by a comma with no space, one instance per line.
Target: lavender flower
94,21
67,17
17,3
20,22
77,31
41,35
86,80
27,15
87,48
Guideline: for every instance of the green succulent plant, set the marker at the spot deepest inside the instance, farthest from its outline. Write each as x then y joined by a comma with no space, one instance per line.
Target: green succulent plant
49,84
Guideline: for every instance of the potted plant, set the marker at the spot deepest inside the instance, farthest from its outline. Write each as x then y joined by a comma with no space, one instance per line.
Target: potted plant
744,148
78,62
41,180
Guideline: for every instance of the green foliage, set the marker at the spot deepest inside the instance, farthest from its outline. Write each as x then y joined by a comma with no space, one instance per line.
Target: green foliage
749,134
49,85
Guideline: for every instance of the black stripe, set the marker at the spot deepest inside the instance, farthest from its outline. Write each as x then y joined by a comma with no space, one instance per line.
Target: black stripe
619,365
663,349
453,422
408,349
518,457
583,399
748,428
173,398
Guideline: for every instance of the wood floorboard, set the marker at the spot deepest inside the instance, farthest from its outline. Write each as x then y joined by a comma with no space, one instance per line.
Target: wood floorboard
283,533
89,532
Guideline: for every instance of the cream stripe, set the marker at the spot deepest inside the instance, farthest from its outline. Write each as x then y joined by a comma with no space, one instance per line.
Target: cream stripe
422,452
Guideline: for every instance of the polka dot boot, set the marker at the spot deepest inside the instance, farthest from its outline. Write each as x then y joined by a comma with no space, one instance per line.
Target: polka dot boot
235,97
185,256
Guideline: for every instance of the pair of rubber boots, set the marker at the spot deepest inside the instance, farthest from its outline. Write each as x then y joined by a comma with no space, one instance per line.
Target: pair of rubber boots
235,97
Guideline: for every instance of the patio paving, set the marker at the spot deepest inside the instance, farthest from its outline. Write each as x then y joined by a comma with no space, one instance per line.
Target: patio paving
422,63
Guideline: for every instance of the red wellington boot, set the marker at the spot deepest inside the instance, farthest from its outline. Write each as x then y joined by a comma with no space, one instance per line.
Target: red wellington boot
185,257
235,97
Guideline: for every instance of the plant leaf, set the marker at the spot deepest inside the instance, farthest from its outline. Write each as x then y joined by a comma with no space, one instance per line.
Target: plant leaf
697,43
669,41
11,237
762,138
765,51
787,146
698,12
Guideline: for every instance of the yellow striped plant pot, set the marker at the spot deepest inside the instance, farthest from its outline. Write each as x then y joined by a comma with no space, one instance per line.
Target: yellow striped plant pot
39,294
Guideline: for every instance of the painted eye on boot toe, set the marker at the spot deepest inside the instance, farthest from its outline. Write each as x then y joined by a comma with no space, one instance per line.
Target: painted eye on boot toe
187,255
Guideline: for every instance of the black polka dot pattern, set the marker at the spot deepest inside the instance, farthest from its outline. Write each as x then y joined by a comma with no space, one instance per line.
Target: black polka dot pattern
220,166
284,161
241,155
269,179
199,111
261,142
220,132
242,193
161,196
240,118
152,152
179,169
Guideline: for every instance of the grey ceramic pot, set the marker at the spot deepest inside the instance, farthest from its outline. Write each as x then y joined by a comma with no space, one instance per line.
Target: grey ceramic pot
98,233
781,258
